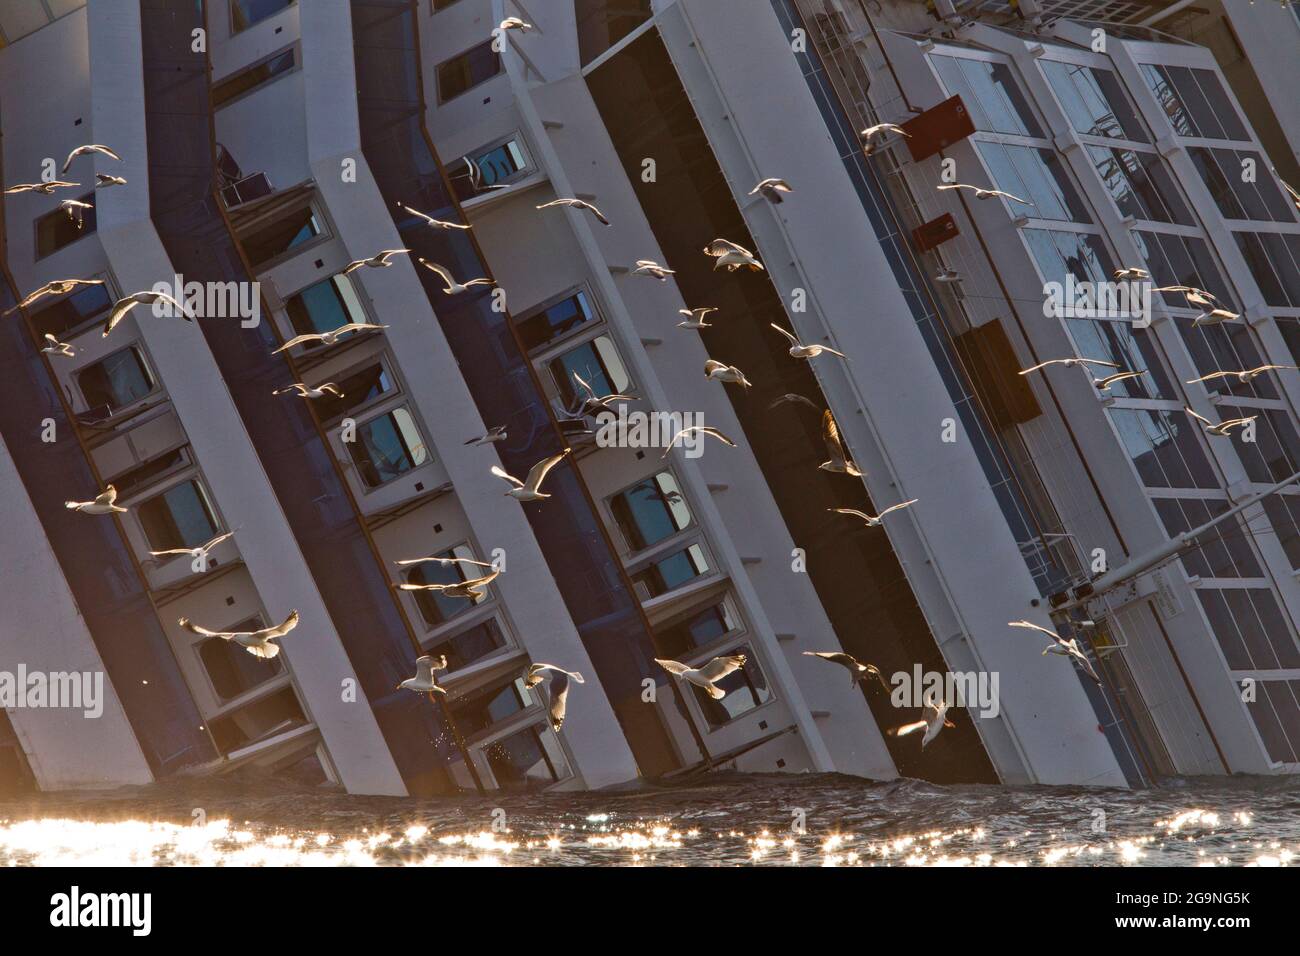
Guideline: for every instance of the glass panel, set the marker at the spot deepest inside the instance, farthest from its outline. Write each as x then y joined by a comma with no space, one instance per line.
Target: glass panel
1140,185
520,762
387,447
470,645
460,73
698,630
358,388
244,13
1250,628
598,364
324,306
671,572
436,607
1194,101
1220,553
72,311
745,687
649,511
1093,101
1036,175
539,328
246,80
115,381
231,669
57,229
1130,348
1275,452
178,518
277,238
1274,261
1164,448
1179,260
1226,348
480,709
1284,515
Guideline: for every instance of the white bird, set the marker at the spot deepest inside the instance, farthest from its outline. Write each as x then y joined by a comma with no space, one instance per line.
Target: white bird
534,675
576,204
514,23
695,318
771,189
703,430
800,351
1295,196
935,712
1193,296
858,671
257,643
731,255
1069,363
590,403
1214,317
55,347
528,490
873,521
452,286
494,434
948,275
559,699
705,676
56,287
1131,272
76,210
1061,646
84,150
103,180
476,177
423,682
45,189
328,338
718,372
103,504
430,221
1104,384
790,398
839,462
872,133
1249,375
648,267
471,588
986,193
1223,427
381,261
197,554
445,562
310,391
128,302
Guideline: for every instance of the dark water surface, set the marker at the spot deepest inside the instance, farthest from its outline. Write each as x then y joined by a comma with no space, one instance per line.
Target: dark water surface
723,819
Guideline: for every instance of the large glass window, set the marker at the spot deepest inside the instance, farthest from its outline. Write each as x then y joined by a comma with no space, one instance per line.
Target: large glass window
1226,347
550,322
1037,176
72,311
478,710
699,629
387,447
746,688
1241,185
359,389
1164,448
990,94
245,13
1180,260
180,517
469,645
1223,552
1274,261
650,511
521,761
57,229
436,607
115,381
1059,254
1195,102
247,80
273,240
1275,452
1250,628
1094,101
469,69
324,306
597,363
665,574
1283,512
1276,712
1129,348
1140,185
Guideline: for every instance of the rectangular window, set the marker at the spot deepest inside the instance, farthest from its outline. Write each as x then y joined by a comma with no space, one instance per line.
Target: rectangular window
1093,101
1223,552
245,13
436,607
470,645
387,447
650,511
1195,102
1164,448
359,389
990,93
73,311
671,572
1035,175
497,165
1250,628
478,710
276,713
257,75
1226,348
699,629
128,482
180,517
1140,185
116,381
466,71
1284,515
1129,348
521,761
746,688
1179,260
1059,254
231,669
57,229
275,239
1276,713
324,306
1224,172
550,322
1275,452
597,363
1274,261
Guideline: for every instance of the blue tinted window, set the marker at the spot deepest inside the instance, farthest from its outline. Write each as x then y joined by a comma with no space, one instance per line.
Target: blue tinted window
555,320
115,381
178,518
244,13
387,447
650,511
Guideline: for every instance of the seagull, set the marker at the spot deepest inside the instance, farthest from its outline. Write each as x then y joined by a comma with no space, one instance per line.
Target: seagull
76,210
57,287
1132,272
257,643
534,675
1061,646
873,521
381,261
1214,317
494,434
1247,376
471,588
559,698
445,562
731,255
514,23
453,287
948,275
476,177
1222,428
577,204
102,505
55,347
935,712
1194,296
790,398
84,150
45,189
327,338
310,391
771,189
800,351
695,318
1295,196
871,133
648,267
1104,384
430,221
128,302
858,671
1069,363
103,180
987,193
198,554
423,682
703,430
593,404
705,676
839,463
717,372
528,490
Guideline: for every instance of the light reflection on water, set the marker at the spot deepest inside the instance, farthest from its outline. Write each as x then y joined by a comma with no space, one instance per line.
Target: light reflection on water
723,820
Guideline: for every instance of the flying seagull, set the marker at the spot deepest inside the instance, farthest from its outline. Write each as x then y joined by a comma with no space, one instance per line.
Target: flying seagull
76,210
858,671
648,267
718,372
471,588
1104,384
423,682
430,221
1061,646
85,150
800,351
128,302
935,713
445,562
590,403
257,643
55,347
873,521
1069,363
534,675
771,189
559,698
328,338
695,318
705,676
732,256
476,177
57,287
1247,376
577,204
45,189
1214,317
873,133
1223,427
452,286
310,391
197,554
839,462
1194,296
381,261
494,434
1132,272
103,504
514,23
947,275
528,490
703,430
103,180
986,193
790,398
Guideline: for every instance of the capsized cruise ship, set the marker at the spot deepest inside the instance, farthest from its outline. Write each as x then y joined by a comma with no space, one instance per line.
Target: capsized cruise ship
492,334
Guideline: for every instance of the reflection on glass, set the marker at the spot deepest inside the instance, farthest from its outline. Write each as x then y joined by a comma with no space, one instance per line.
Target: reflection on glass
324,306
1250,628
990,93
1140,185
1036,175
522,761
1275,452
1224,173
1274,262
699,629
359,389
387,447
1059,254
543,326
178,518
115,381
649,511
435,606
1163,447
1094,101
598,364
1181,260
1195,102
746,688
671,572
1223,552
277,238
